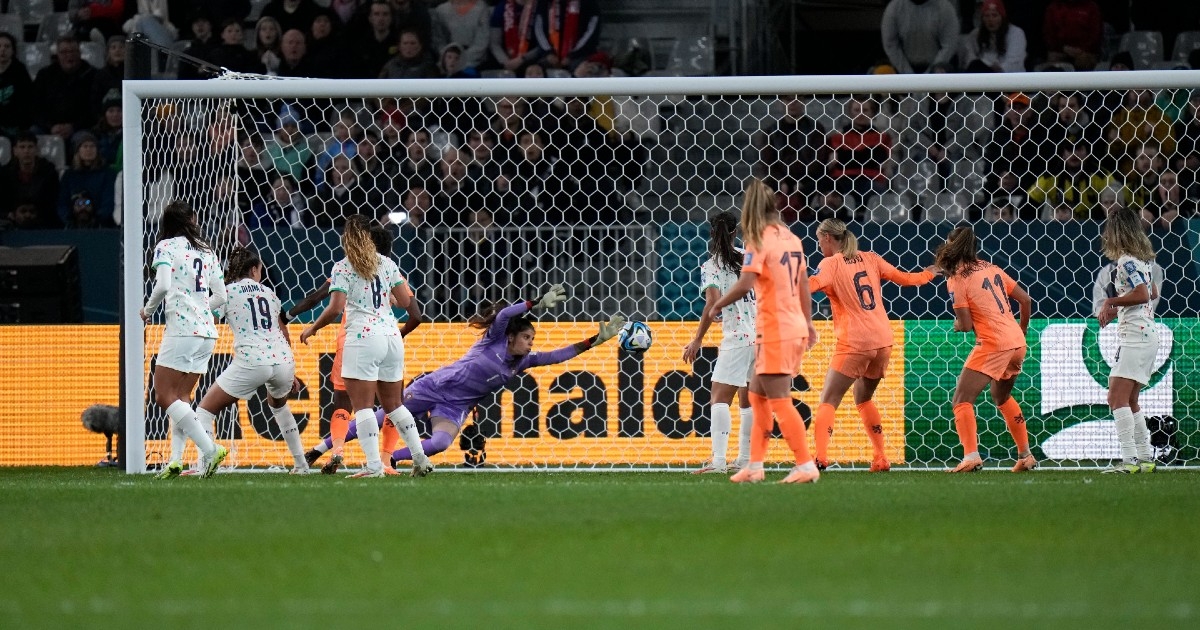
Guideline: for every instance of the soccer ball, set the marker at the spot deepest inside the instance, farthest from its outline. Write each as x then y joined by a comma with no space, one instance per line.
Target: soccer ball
635,337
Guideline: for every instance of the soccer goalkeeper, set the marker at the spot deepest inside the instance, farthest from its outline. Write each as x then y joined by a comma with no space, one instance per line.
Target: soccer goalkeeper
505,350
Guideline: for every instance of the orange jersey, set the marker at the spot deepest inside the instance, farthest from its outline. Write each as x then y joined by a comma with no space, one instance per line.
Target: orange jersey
781,267
985,292
860,320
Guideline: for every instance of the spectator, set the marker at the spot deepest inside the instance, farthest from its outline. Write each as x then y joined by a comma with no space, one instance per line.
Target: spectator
567,31
23,216
506,124
532,71
450,65
1111,198
253,181
232,52
338,196
1074,31
293,51
481,167
1064,213
1186,132
289,153
995,45
1167,203
104,16
219,10
284,206
790,151
108,130
416,168
1141,175
1076,179
324,48
830,205
152,21
483,255
411,60
413,15
344,142
417,206
512,41
455,192
109,77
376,175
919,33
464,22
535,185
16,90
1000,211
1011,148
1006,184
87,174
371,47
860,154
30,178
63,90
342,11
200,45
291,14
1067,121
267,35
1136,122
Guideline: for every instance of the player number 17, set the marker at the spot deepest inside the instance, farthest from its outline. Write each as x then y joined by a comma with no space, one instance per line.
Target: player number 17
794,261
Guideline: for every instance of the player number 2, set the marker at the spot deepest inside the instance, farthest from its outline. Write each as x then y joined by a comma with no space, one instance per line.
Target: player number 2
993,287
795,265
199,265
377,292
260,318
866,295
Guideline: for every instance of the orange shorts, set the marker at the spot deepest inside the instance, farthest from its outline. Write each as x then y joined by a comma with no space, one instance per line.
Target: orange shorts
335,374
862,363
1001,365
779,357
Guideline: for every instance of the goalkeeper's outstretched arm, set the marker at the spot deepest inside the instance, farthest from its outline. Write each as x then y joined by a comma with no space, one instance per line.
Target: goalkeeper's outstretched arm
607,331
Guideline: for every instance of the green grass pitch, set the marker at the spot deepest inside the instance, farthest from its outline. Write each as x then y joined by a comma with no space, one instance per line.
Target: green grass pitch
87,549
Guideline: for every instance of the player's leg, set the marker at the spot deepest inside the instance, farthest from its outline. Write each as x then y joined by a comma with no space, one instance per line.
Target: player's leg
872,421
1141,433
778,389
181,362
980,369
1120,400
362,397
838,380
445,423
390,396
745,427
282,382
760,436
721,426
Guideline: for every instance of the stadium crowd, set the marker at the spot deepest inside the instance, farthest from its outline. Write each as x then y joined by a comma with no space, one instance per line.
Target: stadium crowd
422,162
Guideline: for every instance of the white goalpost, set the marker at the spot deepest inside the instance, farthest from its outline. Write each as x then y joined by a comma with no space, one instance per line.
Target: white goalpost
496,188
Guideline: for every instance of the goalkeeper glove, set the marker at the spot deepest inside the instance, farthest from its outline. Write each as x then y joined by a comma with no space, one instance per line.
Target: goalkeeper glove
609,329
556,295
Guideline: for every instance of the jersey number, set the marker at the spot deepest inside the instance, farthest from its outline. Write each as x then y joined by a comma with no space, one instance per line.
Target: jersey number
199,265
993,287
866,295
264,310
377,292
795,265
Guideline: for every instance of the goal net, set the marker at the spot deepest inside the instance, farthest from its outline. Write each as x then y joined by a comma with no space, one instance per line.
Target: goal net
497,188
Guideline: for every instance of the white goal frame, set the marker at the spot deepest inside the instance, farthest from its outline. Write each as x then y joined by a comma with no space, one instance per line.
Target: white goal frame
135,92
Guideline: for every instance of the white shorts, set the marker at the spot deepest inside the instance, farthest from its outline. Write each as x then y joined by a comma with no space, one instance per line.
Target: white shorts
241,381
186,354
374,359
734,366
1135,363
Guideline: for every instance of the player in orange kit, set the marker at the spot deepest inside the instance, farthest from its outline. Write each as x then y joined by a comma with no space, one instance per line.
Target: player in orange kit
775,267
851,279
982,295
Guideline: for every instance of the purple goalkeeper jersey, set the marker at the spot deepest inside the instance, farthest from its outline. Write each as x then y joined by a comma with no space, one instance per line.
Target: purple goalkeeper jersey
485,368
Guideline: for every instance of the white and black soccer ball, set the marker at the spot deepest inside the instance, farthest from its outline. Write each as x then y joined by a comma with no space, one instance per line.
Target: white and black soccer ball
635,337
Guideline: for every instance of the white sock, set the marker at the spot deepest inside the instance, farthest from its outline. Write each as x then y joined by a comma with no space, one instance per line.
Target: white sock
206,421
1141,437
291,433
321,448
404,422
182,415
178,441
368,437
722,422
1124,418
745,427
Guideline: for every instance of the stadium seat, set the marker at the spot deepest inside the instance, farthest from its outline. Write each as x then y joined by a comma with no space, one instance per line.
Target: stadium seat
691,56
93,53
1185,43
54,26
11,24
1145,46
5,150
53,149
32,11
35,56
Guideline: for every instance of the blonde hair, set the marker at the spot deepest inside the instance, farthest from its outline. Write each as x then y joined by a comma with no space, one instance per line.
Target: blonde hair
360,249
847,241
1123,234
758,210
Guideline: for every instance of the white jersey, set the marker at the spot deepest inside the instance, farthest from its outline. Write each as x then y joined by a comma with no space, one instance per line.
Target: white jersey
737,319
368,302
1135,324
253,315
193,273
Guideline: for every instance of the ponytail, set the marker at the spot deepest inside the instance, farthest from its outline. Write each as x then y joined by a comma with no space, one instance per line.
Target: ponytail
722,230
360,249
758,209
847,241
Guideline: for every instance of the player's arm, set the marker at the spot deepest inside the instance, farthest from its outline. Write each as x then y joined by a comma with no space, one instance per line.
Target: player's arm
820,280
337,304
283,328
962,320
692,349
162,284
607,331
405,299
1139,295
806,306
1025,304
736,292
308,302
889,272
220,297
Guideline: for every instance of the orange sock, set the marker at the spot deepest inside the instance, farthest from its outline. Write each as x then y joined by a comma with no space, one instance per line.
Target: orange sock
823,430
760,437
388,437
1015,420
338,425
792,428
964,423
873,423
